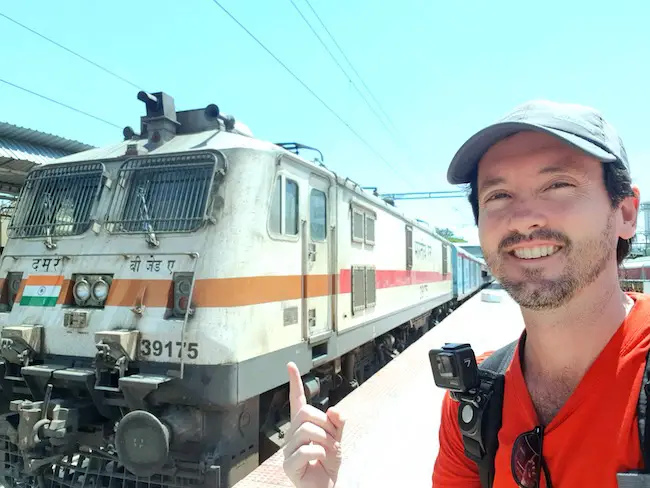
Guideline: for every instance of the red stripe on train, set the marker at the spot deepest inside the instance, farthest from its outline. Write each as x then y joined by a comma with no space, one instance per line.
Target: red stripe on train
389,279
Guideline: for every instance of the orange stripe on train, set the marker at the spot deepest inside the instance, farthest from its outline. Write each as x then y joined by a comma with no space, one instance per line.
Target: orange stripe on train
234,292
44,280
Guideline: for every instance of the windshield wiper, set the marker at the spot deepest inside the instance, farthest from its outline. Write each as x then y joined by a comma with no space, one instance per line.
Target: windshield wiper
49,218
144,212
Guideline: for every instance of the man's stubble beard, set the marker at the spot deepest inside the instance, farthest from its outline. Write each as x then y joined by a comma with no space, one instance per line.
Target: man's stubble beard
585,263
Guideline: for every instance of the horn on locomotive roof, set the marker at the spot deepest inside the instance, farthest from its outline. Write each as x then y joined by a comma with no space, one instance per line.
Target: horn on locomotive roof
212,112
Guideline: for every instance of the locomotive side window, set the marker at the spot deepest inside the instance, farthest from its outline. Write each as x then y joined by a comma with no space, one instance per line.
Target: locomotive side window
284,213
363,225
370,229
318,215
291,209
357,226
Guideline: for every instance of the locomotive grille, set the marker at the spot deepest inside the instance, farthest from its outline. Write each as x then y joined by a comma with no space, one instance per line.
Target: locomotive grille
358,288
57,201
162,193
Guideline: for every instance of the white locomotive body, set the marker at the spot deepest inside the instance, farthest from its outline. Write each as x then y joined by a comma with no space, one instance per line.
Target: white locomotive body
154,290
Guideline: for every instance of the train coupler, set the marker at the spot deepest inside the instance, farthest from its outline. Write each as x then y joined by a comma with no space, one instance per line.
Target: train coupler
115,349
44,422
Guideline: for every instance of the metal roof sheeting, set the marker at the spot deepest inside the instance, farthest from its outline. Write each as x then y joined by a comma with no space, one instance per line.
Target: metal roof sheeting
10,131
21,149
11,149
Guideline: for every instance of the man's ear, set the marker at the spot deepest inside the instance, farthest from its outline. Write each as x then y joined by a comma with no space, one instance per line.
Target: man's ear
629,212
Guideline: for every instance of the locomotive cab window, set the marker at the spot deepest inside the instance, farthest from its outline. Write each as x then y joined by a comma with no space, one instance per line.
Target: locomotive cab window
283,217
318,215
58,200
167,193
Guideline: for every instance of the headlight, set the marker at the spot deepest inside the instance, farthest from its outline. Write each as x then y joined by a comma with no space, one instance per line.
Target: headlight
81,290
91,290
100,290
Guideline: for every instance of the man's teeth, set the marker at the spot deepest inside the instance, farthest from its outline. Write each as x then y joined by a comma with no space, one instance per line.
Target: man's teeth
535,252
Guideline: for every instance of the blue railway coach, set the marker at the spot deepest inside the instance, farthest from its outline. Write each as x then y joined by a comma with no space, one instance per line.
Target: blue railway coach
470,273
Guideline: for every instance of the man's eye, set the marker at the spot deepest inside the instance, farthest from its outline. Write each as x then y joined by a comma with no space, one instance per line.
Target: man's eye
495,196
559,184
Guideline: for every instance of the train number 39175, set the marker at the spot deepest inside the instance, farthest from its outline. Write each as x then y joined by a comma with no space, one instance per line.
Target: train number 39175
168,349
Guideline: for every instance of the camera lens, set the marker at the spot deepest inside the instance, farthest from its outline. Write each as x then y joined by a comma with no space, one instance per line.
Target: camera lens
445,365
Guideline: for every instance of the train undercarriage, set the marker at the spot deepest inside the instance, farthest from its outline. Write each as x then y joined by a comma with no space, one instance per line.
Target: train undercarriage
71,424
328,384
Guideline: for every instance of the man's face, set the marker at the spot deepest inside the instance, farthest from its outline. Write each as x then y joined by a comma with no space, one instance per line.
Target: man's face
546,224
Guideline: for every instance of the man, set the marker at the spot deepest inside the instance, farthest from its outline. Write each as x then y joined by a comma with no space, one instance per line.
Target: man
552,197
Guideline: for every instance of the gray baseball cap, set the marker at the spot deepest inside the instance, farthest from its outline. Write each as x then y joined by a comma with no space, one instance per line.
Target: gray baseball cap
583,127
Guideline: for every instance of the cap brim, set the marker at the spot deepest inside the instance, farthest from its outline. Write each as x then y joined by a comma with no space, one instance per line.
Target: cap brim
472,151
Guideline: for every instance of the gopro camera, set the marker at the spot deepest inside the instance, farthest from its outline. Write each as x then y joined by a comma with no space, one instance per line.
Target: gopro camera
454,367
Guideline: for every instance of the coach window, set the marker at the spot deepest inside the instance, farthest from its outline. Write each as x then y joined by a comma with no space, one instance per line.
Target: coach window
284,207
318,215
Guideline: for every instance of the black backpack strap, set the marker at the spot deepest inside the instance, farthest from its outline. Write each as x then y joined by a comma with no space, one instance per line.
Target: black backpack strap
644,415
479,417
640,478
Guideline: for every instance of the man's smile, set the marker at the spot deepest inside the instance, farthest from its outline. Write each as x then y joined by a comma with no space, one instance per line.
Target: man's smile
535,252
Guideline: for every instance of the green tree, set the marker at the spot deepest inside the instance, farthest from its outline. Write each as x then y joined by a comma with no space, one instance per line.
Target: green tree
449,234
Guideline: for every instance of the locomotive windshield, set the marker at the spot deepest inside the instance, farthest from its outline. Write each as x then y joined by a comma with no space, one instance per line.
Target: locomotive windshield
57,201
162,194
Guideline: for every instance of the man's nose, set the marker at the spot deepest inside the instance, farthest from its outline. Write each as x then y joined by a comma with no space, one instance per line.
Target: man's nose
526,216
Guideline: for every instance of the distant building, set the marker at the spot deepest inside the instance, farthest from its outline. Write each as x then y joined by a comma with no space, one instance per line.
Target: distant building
22,149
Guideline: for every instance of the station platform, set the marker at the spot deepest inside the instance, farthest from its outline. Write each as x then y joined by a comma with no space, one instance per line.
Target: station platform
391,434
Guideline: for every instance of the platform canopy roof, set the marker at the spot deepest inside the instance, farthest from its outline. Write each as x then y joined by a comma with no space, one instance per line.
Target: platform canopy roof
21,149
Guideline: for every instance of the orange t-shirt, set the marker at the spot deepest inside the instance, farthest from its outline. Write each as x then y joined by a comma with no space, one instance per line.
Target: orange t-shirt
594,435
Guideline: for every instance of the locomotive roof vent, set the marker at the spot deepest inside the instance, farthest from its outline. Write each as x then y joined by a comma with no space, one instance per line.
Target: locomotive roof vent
160,124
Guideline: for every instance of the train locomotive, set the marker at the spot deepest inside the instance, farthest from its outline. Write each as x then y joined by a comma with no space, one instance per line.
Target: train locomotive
152,292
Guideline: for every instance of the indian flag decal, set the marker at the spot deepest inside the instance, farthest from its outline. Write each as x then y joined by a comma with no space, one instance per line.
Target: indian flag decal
41,291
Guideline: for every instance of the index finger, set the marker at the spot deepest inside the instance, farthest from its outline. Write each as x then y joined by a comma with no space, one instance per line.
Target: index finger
297,398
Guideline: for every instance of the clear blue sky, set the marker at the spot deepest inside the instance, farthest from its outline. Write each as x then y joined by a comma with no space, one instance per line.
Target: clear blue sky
440,70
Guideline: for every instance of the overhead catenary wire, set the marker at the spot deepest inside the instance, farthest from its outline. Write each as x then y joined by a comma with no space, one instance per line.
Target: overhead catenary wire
351,65
121,78
341,68
125,80
59,103
216,2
